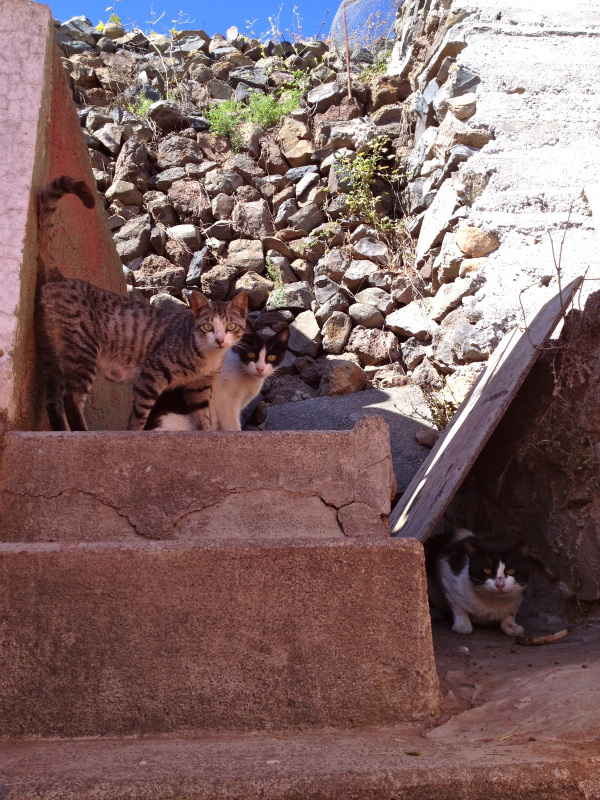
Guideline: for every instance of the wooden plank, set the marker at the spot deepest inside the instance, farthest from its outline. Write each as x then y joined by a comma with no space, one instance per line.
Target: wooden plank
450,460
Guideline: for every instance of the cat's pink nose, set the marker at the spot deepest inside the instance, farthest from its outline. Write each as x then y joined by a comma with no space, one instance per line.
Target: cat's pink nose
260,370
219,341
500,583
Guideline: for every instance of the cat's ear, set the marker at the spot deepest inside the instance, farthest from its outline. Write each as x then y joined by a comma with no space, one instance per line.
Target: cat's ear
470,544
250,328
282,337
240,303
199,303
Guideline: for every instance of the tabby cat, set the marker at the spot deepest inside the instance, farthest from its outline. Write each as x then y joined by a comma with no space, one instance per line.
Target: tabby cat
82,330
244,370
477,581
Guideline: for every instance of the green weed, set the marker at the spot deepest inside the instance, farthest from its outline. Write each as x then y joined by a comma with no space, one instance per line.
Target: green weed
265,110
140,105
277,295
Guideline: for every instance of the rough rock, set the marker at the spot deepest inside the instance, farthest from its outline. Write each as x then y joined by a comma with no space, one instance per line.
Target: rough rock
257,287
132,240
450,295
413,320
305,336
188,234
295,296
221,181
357,275
169,116
216,281
374,346
366,315
246,255
189,201
253,220
324,96
438,219
125,192
376,297
177,151
336,332
178,253
475,242
371,249
158,271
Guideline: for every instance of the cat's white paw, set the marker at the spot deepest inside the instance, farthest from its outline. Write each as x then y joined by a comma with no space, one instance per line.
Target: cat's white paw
462,626
510,628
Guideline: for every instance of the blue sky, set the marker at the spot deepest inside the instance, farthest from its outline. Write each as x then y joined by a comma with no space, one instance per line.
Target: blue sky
214,17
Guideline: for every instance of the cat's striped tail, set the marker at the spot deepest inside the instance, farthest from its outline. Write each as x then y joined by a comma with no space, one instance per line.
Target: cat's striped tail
47,201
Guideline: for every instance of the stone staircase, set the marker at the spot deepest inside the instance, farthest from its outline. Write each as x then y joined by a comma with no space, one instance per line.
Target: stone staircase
167,582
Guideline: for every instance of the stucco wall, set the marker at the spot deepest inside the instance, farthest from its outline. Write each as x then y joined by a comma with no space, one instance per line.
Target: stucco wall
40,139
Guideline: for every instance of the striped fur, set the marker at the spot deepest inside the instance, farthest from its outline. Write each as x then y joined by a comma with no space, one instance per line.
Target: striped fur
83,330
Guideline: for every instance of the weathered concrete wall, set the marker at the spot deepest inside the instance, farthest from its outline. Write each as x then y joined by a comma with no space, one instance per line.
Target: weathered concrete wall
156,637
40,139
69,487
537,97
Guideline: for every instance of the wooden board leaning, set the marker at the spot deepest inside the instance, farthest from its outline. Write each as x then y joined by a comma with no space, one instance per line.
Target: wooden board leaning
450,460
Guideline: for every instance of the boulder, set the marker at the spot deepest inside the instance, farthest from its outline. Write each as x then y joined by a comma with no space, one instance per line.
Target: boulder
366,315
413,320
253,220
336,332
132,240
475,242
257,287
216,281
374,346
246,255
221,181
169,116
376,297
305,336
158,271
189,201
177,151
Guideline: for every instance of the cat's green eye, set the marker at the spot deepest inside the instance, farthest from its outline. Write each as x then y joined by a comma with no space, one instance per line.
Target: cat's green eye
207,326
510,572
271,358
487,571
231,327
251,355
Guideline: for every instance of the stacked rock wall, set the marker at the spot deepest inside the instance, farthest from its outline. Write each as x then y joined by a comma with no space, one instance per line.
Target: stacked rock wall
488,175
502,161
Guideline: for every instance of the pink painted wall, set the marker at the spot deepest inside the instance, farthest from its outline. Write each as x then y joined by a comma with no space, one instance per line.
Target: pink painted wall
46,147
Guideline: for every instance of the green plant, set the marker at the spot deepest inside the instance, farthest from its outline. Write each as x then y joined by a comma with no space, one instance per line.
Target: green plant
140,105
442,405
277,295
225,119
377,68
363,169
264,110
113,18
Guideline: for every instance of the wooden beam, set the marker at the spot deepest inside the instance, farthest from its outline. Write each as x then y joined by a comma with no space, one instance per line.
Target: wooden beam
453,455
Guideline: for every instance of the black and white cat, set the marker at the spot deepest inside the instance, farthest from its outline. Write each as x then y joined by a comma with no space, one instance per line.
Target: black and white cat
477,581
242,375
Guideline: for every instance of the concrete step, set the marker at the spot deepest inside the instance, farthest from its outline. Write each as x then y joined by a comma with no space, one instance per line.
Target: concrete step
174,582
519,723
120,486
320,765
157,637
